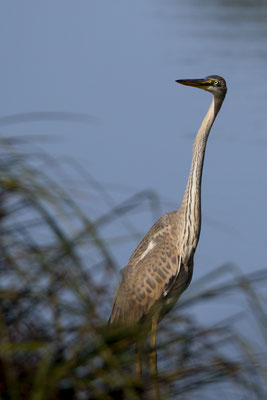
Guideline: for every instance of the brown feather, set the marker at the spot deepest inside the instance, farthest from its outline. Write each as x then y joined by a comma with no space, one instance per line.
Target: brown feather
145,280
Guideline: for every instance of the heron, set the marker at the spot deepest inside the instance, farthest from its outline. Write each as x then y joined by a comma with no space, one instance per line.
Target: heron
161,267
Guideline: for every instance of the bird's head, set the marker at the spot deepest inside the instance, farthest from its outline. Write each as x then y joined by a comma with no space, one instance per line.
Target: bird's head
213,83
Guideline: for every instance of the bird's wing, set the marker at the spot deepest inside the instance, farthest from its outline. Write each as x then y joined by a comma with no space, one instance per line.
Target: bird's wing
150,274
173,279
156,234
140,288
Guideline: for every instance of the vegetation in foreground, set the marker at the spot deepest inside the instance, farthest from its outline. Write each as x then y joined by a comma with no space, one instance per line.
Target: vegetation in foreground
57,271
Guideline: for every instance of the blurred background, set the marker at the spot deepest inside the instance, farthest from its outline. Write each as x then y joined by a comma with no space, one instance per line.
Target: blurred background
96,143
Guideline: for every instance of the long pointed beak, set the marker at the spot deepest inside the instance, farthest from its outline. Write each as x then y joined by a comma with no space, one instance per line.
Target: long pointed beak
199,83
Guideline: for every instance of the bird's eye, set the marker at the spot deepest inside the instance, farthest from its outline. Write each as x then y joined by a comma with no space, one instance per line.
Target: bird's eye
216,83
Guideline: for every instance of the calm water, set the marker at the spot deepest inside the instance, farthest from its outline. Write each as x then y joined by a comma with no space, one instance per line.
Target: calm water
117,61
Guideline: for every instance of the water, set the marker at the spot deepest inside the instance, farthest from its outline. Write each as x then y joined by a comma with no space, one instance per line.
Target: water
117,61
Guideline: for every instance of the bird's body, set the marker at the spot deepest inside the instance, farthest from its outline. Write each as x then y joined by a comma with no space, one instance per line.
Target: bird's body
161,267
154,267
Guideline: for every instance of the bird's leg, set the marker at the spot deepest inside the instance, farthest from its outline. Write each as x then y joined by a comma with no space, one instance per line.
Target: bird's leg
138,360
153,351
153,356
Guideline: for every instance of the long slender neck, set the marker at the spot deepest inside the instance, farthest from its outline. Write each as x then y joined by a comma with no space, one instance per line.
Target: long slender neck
192,198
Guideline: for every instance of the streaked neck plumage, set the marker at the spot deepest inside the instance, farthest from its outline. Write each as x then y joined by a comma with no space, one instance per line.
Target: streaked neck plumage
191,204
